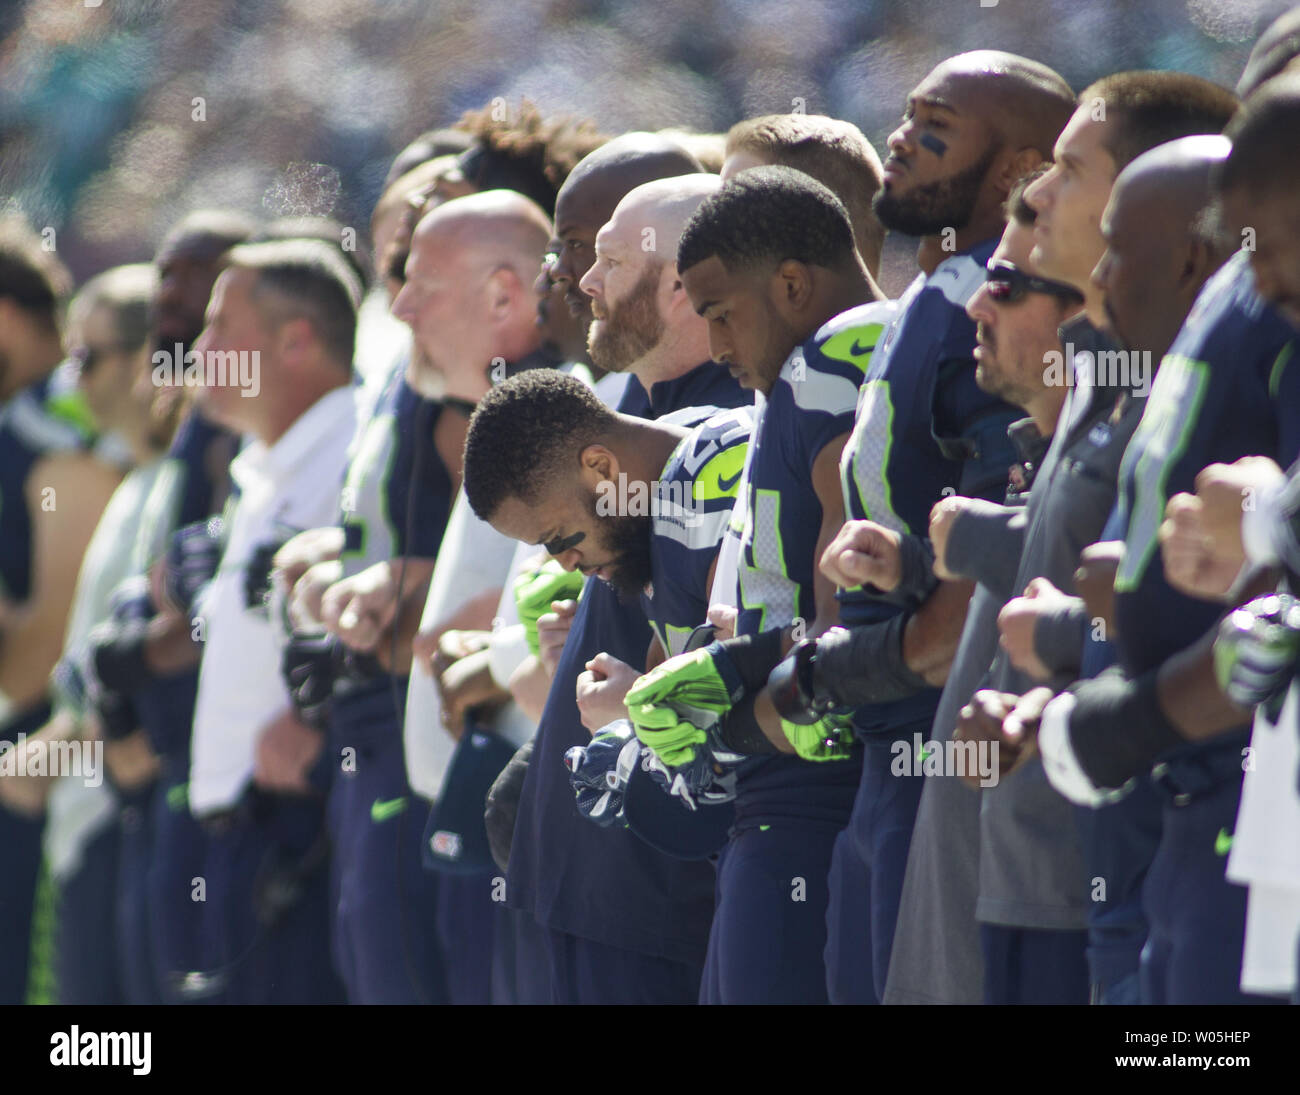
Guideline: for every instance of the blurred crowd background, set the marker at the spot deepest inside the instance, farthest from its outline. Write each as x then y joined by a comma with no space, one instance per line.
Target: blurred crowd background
304,102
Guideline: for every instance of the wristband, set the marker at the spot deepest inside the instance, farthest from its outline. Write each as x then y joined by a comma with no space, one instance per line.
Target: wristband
864,665
1117,728
739,731
119,660
753,656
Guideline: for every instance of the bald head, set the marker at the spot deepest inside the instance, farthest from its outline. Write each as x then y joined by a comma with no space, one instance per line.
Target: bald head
468,295
1026,103
1161,243
600,180
657,212
497,228
588,197
643,319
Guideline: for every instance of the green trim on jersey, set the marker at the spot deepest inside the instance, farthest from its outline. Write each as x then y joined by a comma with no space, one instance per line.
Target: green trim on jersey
1161,438
719,478
1279,366
846,345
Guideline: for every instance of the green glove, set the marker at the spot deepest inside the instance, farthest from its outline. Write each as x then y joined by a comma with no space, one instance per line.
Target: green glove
677,706
536,589
829,738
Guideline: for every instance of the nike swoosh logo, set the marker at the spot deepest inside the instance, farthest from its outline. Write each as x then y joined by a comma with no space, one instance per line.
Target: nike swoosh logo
1223,842
857,349
725,485
382,811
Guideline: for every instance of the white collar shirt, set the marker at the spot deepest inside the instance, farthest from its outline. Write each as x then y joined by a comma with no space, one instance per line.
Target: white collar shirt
288,486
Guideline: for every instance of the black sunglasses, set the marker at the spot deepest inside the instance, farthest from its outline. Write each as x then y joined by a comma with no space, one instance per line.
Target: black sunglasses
1007,284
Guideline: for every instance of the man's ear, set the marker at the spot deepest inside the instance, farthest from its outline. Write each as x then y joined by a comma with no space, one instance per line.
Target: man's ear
294,340
1017,167
597,465
793,285
500,293
1199,262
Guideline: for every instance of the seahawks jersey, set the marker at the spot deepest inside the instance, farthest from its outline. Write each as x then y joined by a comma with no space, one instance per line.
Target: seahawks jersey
608,885
810,405
192,484
395,501
923,430
693,503
396,494
1228,387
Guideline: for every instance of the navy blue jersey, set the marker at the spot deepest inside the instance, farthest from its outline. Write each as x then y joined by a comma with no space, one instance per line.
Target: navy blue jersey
695,494
397,493
396,496
811,404
1228,387
607,884
923,429
193,484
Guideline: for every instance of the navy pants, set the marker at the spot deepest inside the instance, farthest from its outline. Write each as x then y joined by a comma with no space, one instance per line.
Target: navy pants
866,874
286,961
586,972
768,938
468,920
178,855
1034,966
522,972
1197,917
85,926
20,865
140,981
385,935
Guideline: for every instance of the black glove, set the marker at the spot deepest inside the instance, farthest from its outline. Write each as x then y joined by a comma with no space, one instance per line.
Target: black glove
192,559
257,574
311,666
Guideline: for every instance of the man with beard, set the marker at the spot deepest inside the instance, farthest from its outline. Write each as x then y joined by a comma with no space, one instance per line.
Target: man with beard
1226,389
146,660
1036,861
770,263
620,922
52,491
642,505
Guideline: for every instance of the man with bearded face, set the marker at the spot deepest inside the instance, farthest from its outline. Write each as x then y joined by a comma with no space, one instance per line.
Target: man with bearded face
619,921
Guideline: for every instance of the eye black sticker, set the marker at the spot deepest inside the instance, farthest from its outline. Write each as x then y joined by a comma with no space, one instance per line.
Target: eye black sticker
560,545
930,141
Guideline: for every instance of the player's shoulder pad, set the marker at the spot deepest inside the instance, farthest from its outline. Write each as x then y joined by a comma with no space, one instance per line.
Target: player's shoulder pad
714,453
825,372
958,277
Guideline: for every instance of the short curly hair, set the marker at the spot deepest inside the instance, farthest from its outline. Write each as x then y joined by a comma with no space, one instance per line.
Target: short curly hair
519,149
522,434
766,216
